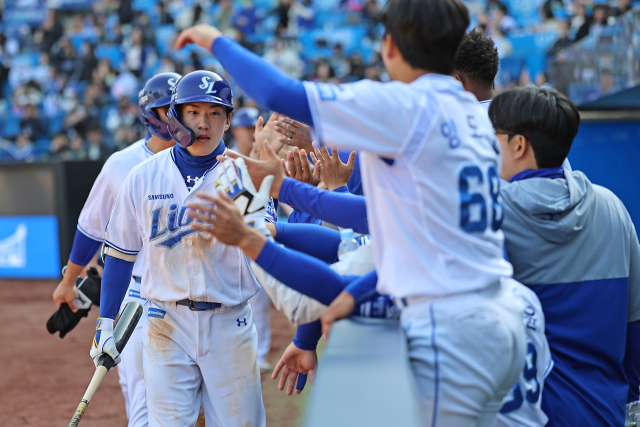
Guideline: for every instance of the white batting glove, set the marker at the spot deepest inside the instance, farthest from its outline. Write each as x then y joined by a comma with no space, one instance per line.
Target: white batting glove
240,188
103,342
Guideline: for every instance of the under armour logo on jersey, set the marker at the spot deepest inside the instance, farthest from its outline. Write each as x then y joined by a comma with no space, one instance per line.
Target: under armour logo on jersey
206,84
240,322
189,179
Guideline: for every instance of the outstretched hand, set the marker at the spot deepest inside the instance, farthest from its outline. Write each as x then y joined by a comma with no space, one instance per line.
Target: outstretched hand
295,361
266,132
295,133
202,35
299,168
332,171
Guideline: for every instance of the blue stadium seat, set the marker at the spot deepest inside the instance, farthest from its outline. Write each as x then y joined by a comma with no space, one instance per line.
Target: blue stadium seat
11,127
510,69
112,53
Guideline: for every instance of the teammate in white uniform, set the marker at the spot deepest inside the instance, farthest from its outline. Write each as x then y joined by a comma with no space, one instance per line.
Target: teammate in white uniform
197,329
430,163
153,100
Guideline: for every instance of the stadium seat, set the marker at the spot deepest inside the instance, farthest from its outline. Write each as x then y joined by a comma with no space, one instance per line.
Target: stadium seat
112,53
163,34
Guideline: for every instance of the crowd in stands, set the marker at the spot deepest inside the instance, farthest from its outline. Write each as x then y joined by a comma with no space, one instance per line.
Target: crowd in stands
70,85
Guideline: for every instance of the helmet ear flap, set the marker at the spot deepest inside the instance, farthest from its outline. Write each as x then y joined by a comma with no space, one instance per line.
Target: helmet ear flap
179,132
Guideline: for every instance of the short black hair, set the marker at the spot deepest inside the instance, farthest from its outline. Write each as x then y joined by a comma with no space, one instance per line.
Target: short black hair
427,32
478,58
547,118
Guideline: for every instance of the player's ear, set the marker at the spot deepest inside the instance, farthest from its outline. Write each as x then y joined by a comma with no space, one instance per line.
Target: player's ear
520,146
226,126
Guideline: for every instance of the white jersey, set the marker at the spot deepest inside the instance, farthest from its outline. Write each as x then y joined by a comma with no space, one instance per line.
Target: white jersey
97,209
439,200
523,405
150,214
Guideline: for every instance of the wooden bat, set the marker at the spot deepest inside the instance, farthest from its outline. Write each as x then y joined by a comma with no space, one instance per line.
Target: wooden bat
123,328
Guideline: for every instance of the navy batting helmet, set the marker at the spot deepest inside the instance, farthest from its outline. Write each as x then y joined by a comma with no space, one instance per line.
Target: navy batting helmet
197,86
156,92
245,117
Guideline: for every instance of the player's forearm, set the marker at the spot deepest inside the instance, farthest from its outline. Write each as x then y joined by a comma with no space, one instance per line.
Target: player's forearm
343,210
364,288
83,250
115,281
71,273
302,273
272,89
319,242
308,335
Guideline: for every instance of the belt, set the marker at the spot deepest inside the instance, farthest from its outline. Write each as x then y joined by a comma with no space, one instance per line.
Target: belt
199,305
137,279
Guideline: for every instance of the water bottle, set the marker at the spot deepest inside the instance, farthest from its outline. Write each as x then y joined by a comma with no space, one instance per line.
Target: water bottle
347,244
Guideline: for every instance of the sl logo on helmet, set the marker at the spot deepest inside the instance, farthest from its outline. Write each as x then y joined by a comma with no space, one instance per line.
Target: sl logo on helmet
206,84
171,82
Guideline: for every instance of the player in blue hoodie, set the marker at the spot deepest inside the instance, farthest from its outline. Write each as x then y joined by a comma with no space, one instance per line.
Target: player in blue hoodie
574,244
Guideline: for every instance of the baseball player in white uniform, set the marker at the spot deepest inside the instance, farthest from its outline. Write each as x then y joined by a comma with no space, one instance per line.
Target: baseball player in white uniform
430,166
197,329
154,99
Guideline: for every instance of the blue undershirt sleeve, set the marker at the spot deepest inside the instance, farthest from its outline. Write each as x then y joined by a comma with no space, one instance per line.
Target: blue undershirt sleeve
364,288
319,242
83,249
308,335
343,210
274,90
115,281
631,363
302,273
298,217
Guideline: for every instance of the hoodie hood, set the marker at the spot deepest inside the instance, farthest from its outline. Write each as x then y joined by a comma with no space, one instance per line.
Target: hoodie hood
556,209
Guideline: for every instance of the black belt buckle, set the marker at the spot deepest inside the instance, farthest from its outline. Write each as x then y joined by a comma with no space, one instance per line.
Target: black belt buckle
193,308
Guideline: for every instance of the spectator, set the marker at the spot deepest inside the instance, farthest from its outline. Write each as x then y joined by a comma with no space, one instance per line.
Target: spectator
302,14
286,58
580,23
222,18
31,124
502,43
564,40
164,18
50,32
96,149
77,149
89,62
324,72
64,58
23,150
542,80
356,67
623,6
124,116
137,53
282,11
59,147
245,19
339,62
549,21
600,15
502,20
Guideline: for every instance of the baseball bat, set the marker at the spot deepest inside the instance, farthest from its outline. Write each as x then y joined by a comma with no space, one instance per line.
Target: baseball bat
122,331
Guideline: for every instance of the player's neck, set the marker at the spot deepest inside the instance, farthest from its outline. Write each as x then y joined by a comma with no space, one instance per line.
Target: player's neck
483,93
407,74
157,145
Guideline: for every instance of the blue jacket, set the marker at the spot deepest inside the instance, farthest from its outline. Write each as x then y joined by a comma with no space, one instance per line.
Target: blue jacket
574,244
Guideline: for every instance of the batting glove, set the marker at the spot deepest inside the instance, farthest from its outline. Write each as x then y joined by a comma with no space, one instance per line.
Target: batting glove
104,343
240,188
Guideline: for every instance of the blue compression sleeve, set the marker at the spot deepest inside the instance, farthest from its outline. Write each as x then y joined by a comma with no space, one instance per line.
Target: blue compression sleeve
115,281
84,248
364,288
302,273
631,363
343,210
298,217
274,90
319,242
308,335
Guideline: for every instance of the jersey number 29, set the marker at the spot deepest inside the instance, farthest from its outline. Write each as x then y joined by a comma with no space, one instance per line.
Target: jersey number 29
474,206
530,374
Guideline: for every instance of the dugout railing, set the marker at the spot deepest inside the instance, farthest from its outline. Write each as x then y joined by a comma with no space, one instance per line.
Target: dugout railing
364,378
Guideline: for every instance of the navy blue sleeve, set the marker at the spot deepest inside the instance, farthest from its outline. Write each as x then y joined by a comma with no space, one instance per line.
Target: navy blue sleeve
364,288
308,335
298,217
273,90
631,363
83,249
343,210
319,242
115,281
302,273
